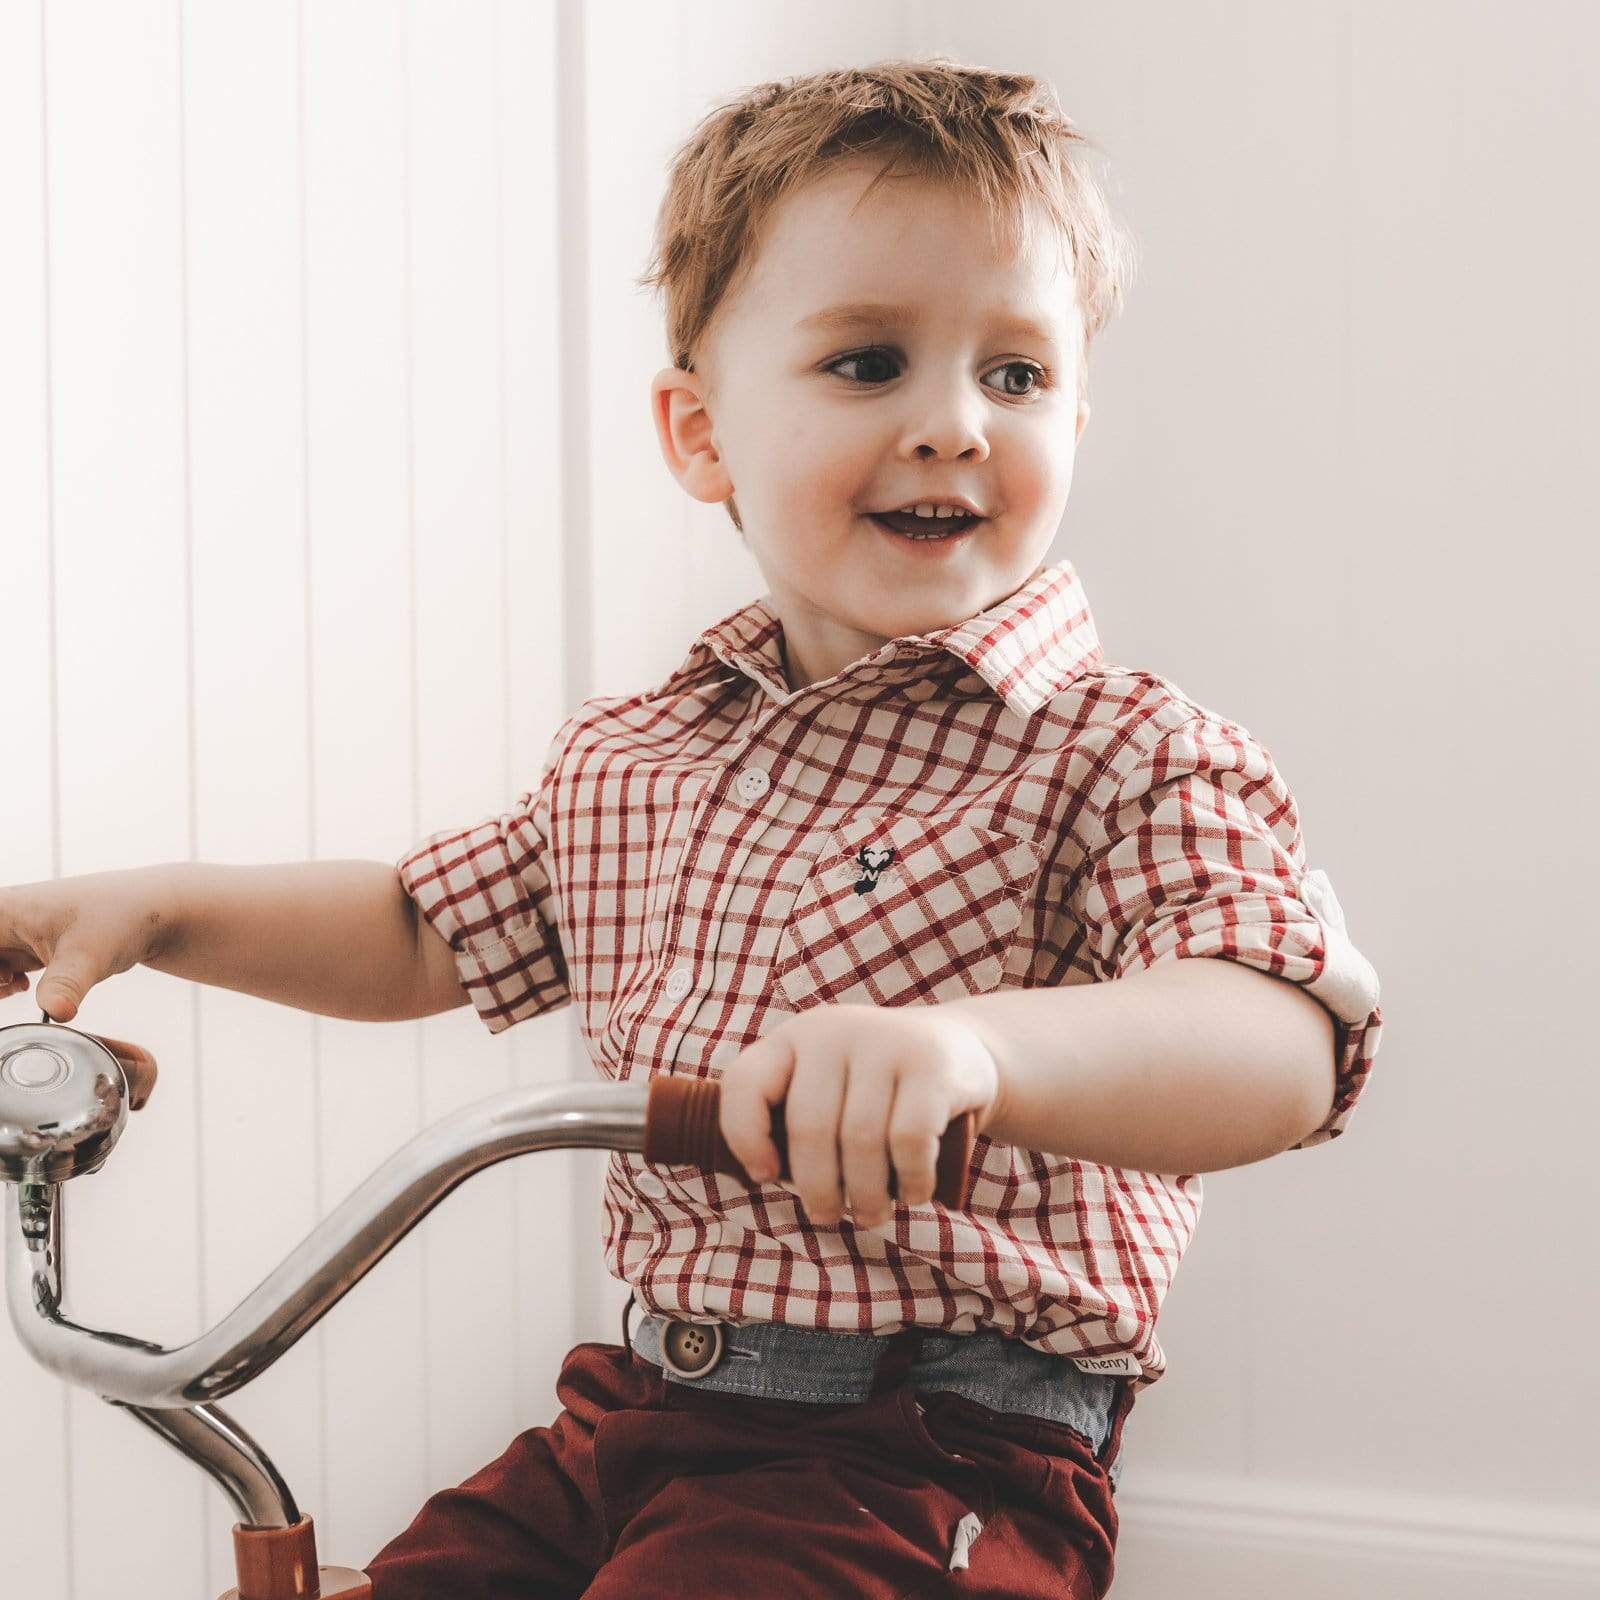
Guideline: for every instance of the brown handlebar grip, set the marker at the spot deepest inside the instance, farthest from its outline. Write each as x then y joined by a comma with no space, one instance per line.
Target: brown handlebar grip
683,1127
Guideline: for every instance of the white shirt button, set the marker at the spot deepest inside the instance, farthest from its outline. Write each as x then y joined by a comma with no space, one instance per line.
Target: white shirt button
678,981
752,783
649,1184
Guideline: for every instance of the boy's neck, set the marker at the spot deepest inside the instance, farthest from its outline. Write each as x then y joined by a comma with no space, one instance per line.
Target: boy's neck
814,646
792,675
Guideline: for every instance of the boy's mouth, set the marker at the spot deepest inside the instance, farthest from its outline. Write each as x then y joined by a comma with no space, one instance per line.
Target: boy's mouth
908,525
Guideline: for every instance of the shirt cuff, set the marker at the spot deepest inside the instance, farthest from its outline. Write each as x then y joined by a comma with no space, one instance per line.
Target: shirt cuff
508,956
1302,938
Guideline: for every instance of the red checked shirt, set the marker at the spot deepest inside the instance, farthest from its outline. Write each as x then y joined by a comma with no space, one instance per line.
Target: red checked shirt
1014,811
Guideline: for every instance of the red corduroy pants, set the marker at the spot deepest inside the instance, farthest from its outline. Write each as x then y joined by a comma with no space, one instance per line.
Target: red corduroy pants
643,1487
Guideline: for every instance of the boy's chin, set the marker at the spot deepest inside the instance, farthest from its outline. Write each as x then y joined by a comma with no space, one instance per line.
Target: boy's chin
899,617
875,592
925,603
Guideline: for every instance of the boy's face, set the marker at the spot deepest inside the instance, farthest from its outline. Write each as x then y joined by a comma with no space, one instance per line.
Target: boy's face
815,427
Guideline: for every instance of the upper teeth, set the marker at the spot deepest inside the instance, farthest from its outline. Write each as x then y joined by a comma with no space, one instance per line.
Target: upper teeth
927,508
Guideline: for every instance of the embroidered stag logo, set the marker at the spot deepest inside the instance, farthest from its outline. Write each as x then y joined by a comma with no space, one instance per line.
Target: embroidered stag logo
871,862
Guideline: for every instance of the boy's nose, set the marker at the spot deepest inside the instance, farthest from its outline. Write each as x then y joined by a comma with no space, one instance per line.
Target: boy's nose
946,426
950,444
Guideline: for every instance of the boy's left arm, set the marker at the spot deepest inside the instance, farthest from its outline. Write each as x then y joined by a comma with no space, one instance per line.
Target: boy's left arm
1189,1066
1232,1016
1235,1017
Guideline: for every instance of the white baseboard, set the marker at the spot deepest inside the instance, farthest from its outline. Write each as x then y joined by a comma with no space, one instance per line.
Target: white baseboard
1218,1538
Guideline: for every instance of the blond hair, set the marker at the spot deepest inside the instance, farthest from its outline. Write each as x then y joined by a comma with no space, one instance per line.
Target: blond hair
1000,135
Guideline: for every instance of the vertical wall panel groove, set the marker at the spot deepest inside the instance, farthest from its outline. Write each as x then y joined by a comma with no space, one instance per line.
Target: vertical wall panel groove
553,1217
457,350
572,202
503,506
361,597
320,1204
46,323
402,15
202,1489
55,803
51,603
574,173
248,699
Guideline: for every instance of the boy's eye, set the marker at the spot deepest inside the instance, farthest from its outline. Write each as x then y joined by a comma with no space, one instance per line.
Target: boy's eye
874,361
1027,368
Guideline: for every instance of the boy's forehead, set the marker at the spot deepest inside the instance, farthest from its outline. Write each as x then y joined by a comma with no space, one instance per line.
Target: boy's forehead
832,257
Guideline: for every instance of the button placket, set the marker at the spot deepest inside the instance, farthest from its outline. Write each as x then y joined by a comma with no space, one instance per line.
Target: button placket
750,784
676,987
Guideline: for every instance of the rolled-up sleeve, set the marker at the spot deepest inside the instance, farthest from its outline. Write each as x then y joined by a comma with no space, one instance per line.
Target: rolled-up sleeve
487,890
1199,853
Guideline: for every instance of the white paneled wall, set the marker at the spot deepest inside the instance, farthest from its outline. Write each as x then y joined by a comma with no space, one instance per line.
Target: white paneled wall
282,512
328,488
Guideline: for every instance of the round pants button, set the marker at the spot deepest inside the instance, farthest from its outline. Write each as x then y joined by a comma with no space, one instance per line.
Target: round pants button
691,1349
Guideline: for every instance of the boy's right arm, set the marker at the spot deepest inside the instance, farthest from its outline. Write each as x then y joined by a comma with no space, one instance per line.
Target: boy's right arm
341,938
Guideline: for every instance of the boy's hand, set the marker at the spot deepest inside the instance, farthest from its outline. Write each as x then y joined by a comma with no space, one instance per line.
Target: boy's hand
862,1087
81,931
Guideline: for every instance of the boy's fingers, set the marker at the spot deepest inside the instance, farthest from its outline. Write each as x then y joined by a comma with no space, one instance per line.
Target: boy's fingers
65,983
864,1143
811,1116
137,1063
915,1127
754,1083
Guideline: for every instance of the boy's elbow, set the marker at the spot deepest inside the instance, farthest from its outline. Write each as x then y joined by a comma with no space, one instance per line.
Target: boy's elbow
1317,1072
1302,1032
1308,1042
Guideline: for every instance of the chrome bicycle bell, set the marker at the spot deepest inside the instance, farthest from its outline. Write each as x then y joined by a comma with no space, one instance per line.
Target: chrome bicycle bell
63,1103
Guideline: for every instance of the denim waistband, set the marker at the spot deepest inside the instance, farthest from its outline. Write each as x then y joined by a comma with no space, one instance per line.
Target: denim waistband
770,1361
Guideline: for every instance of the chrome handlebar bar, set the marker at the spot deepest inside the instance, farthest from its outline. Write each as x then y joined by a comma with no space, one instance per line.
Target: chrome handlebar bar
319,1271
64,1099
51,1130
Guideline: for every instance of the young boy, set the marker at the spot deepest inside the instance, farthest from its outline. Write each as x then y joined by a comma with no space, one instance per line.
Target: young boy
873,852
867,853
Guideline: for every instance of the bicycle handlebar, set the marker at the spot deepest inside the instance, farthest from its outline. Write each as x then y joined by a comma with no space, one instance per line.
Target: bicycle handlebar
668,1120
64,1099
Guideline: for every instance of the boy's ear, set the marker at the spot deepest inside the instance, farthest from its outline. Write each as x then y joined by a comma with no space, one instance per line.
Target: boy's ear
684,428
1083,418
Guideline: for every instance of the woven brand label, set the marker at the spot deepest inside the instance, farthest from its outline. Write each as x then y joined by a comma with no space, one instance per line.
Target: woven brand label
1125,1365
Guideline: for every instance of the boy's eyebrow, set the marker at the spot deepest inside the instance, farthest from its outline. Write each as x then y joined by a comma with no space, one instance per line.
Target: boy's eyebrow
876,314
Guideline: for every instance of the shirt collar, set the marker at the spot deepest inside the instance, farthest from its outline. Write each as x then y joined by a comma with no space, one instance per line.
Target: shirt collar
1025,648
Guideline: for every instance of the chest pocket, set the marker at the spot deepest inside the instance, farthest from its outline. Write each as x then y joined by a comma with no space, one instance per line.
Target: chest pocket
902,911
